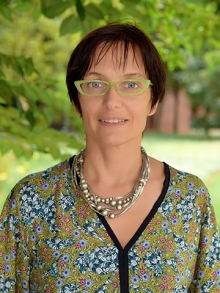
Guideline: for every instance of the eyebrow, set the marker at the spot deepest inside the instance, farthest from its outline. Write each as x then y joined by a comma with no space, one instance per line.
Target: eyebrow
134,74
125,75
93,73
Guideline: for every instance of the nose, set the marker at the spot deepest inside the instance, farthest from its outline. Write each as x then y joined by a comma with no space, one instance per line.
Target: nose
112,99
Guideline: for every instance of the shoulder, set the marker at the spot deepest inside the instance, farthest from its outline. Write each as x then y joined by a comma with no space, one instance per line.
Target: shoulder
188,189
38,194
39,186
178,177
188,203
45,178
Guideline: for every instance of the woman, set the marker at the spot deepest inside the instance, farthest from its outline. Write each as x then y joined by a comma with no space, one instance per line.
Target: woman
111,219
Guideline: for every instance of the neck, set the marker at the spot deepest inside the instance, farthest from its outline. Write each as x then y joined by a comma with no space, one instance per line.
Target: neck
112,164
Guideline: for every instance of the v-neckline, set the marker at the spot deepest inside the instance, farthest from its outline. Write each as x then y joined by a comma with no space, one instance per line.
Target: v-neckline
146,221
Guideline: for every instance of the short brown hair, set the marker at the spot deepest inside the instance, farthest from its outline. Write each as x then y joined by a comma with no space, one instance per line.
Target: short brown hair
111,35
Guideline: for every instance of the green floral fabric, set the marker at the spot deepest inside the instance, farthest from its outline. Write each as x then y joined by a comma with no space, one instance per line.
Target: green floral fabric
51,241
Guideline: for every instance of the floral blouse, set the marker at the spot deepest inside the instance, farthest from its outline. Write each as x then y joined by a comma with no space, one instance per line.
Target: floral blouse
51,241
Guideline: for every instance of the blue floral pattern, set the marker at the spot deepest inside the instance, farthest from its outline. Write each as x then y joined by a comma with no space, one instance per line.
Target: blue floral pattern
51,241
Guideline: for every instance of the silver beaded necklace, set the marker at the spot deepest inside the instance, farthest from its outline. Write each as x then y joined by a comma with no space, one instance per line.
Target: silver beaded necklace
110,207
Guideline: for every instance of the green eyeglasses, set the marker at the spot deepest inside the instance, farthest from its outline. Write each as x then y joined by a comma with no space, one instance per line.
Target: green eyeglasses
127,87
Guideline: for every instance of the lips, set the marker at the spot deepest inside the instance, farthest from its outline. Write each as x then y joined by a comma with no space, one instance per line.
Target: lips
113,121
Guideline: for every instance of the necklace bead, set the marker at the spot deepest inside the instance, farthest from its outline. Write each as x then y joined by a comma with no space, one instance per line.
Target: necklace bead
113,203
84,186
104,213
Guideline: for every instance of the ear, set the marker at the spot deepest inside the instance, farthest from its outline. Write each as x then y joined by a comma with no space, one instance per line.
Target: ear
153,109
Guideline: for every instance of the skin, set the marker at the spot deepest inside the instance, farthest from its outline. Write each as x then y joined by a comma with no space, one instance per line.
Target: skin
112,161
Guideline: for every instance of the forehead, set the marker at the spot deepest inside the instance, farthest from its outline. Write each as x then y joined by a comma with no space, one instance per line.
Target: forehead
118,53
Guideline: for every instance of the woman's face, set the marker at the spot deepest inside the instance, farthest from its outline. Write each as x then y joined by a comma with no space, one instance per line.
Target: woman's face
115,119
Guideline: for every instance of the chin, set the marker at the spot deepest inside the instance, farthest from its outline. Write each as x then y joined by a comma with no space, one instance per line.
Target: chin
118,141
113,143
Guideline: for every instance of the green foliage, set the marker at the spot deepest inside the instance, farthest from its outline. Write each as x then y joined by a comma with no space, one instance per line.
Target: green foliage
28,92
52,8
70,24
80,9
37,36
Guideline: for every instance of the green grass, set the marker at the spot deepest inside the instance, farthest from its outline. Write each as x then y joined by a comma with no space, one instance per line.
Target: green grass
195,154
214,185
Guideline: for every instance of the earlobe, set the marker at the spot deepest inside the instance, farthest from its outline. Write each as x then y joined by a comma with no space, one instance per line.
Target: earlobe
153,109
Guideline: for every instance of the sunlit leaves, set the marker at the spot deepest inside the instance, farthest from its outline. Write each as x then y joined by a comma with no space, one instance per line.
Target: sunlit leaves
70,25
6,12
19,64
52,8
5,90
94,11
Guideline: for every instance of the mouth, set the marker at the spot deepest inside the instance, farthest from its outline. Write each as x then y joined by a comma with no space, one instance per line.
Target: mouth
113,121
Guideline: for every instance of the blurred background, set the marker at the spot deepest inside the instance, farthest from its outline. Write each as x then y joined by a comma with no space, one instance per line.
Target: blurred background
38,125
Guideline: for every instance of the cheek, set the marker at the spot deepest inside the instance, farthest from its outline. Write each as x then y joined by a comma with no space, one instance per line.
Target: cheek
143,109
88,114
84,108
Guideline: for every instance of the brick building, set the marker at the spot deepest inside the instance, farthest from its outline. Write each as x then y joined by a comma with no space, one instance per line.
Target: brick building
173,114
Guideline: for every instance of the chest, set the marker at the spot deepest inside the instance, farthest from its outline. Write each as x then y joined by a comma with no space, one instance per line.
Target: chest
128,224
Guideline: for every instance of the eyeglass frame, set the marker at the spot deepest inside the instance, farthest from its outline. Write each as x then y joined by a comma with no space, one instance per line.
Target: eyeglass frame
77,83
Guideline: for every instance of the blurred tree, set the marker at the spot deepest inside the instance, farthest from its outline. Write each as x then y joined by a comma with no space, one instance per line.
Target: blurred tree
37,36
34,99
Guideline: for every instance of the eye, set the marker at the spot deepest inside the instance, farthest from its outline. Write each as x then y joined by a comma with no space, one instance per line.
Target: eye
131,85
95,84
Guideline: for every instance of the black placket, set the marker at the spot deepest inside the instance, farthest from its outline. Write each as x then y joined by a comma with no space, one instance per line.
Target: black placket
123,271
